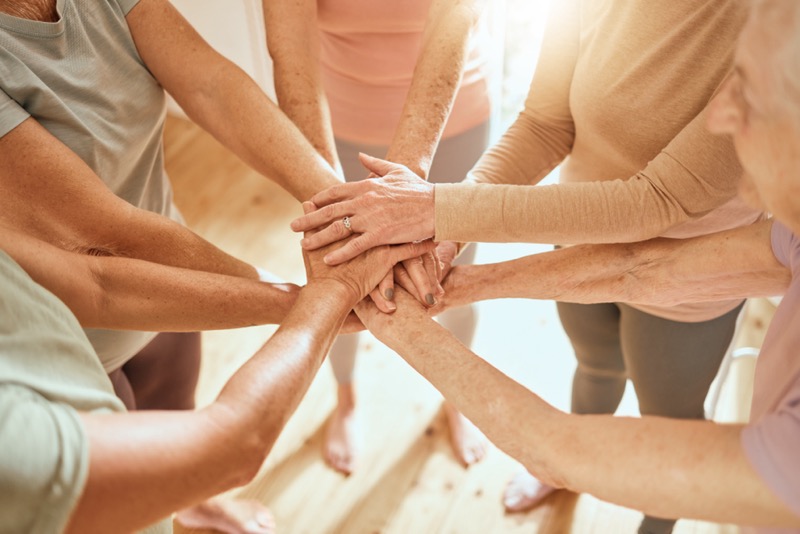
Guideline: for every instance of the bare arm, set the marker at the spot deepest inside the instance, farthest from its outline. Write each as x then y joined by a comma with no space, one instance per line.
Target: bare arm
737,263
666,468
226,102
437,75
51,194
143,466
125,293
293,44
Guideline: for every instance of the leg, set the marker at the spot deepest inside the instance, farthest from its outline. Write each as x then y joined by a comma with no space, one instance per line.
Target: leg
343,433
163,376
453,160
597,386
672,365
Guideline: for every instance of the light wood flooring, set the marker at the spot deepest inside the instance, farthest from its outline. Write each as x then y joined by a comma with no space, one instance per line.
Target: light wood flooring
408,480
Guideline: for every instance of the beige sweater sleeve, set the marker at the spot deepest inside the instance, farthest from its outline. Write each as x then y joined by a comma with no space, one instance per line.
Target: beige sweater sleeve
694,174
543,133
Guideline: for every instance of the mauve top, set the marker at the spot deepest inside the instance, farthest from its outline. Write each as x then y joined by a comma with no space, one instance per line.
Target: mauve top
772,439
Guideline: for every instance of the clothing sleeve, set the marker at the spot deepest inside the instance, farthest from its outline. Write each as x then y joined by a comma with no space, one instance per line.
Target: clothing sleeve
771,445
543,133
783,243
11,114
44,461
127,5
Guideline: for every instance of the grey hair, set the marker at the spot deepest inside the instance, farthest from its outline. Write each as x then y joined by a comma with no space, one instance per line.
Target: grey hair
779,22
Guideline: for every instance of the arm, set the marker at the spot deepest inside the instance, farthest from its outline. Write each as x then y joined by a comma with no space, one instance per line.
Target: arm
51,194
293,44
125,293
145,465
436,79
223,100
733,264
563,450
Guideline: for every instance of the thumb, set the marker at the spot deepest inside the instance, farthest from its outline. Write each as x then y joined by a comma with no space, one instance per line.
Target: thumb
380,167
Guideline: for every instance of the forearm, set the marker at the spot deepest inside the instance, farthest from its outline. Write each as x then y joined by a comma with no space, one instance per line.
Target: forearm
734,264
435,82
454,370
140,295
588,212
293,355
126,293
144,466
664,467
74,210
226,102
241,117
293,44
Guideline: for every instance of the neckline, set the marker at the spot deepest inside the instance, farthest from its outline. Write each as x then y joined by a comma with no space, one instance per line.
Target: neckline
35,28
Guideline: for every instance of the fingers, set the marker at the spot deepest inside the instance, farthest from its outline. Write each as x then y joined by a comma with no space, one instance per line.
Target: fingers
336,231
352,249
407,251
321,216
339,193
432,269
380,167
386,306
386,287
403,280
419,277
308,207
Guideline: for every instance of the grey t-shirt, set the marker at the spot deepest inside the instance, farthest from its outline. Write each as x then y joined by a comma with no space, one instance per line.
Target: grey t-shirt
48,372
82,79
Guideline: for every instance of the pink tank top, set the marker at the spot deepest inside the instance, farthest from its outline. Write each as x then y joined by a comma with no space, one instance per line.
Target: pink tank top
368,52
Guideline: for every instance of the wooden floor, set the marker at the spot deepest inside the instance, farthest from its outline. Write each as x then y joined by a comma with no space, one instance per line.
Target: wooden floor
408,480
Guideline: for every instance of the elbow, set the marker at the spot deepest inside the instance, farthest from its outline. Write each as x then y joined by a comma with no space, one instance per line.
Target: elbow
249,463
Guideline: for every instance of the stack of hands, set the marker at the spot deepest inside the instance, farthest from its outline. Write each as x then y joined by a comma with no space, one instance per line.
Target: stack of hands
376,237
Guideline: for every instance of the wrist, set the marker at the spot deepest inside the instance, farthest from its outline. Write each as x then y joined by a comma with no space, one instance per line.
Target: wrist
332,290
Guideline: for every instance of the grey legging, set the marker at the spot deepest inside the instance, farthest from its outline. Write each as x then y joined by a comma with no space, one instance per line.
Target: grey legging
671,364
453,160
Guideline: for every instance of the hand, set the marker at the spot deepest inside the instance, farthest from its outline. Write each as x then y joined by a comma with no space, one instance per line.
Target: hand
360,275
420,277
397,208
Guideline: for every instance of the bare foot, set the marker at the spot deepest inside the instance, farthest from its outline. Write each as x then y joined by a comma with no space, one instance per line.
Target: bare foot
342,435
524,492
231,516
469,443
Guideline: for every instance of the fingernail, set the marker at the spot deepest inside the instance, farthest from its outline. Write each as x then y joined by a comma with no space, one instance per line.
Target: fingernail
389,294
430,300
327,260
303,243
391,305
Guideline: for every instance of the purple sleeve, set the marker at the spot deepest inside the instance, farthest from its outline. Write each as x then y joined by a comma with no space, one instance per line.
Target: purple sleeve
772,445
784,242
